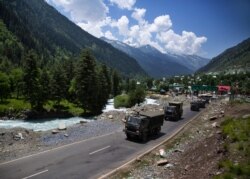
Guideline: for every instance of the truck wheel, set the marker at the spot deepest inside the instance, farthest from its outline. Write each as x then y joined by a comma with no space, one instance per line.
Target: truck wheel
158,130
144,137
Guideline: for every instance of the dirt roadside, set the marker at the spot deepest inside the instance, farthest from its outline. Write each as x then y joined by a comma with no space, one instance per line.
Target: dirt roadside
194,153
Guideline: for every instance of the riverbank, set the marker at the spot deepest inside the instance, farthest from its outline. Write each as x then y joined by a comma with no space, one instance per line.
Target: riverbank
13,109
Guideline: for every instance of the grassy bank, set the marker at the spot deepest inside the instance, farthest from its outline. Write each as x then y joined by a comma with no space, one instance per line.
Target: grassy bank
15,107
236,164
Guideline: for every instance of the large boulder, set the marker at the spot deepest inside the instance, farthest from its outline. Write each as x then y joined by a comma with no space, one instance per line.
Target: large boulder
62,126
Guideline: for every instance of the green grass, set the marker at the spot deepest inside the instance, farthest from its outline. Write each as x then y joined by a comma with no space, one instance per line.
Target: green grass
237,133
13,106
64,106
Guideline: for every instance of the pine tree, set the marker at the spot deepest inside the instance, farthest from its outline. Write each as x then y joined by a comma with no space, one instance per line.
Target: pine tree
102,89
45,86
86,92
31,80
116,83
58,84
16,77
107,75
4,86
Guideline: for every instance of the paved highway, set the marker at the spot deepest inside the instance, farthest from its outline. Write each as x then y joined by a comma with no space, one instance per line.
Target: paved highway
89,158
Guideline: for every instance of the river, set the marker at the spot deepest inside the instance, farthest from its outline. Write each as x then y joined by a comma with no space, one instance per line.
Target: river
45,124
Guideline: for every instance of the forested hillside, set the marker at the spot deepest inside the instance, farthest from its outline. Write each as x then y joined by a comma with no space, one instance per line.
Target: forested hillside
50,65
38,26
237,57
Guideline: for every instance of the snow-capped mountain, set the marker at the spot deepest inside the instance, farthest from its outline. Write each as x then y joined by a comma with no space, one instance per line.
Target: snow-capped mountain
158,64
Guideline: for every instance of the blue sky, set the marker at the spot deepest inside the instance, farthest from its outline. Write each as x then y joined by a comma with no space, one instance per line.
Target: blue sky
200,27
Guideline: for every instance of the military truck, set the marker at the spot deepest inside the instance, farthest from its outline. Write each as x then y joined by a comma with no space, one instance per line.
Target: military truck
173,111
143,124
194,106
202,103
206,97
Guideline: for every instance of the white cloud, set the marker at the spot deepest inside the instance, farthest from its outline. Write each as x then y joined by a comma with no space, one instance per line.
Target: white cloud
95,28
161,23
93,16
124,4
122,25
157,34
139,14
109,35
83,10
187,42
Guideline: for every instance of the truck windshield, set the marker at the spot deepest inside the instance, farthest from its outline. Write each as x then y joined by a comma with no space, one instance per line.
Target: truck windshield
134,120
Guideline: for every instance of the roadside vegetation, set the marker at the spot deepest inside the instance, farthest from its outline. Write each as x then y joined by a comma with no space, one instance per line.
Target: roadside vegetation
236,131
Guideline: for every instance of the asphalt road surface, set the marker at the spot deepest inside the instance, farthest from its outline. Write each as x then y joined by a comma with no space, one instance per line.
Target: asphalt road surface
90,158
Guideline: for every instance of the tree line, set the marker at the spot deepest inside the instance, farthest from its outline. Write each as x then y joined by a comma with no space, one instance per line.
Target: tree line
80,80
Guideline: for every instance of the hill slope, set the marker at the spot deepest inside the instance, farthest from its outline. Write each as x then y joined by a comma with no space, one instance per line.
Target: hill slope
41,27
157,64
237,57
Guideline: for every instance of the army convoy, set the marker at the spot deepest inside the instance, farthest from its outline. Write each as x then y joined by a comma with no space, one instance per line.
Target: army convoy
144,124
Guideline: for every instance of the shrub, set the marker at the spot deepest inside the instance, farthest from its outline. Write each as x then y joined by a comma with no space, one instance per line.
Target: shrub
137,96
121,101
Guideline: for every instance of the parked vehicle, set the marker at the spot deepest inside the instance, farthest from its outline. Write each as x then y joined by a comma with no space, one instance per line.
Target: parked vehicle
173,111
143,124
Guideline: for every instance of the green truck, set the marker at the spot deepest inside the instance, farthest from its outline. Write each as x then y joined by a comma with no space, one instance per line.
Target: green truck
142,125
173,111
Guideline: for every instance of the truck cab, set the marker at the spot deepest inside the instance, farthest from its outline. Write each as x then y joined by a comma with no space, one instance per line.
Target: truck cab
194,106
142,125
173,111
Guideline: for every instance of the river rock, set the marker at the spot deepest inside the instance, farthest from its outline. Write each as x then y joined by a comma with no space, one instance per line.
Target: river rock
215,125
83,122
178,150
213,118
162,153
55,131
62,126
110,116
246,116
18,136
162,162
169,165
66,135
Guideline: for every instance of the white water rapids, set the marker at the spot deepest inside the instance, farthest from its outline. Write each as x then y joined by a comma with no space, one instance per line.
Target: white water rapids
48,124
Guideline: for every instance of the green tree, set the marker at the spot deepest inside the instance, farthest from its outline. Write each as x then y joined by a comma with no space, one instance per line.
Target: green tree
106,74
115,83
16,77
86,81
45,86
68,70
4,86
102,90
31,80
137,96
59,85
132,85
